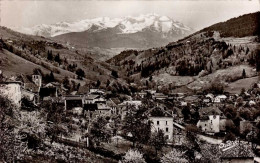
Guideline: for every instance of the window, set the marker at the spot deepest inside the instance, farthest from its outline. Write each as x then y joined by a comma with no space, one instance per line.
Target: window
167,136
167,130
166,122
205,124
158,122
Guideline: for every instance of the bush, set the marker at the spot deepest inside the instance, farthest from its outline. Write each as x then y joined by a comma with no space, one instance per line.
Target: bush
133,156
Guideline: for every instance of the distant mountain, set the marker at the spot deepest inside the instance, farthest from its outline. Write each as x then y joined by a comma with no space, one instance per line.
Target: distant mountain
197,59
129,32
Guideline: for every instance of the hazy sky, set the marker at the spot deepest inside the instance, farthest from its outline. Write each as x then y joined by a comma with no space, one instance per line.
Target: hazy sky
194,13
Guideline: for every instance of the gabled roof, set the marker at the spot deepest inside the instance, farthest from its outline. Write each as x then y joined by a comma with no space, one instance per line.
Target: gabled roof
136,103
74,97
83,89
103,107
161,112
91,97
111,103
212,110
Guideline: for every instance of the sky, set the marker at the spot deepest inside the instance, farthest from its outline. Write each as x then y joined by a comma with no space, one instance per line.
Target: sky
196,14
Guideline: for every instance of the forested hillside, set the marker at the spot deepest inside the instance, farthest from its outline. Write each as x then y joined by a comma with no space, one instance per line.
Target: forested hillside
198,55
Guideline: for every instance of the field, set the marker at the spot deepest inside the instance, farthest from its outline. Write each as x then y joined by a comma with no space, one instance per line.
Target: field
236,86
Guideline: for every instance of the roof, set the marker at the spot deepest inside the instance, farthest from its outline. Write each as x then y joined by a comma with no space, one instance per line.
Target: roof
210,95
158,112
222,96
191,98
74,97
83,89
32,87
111,103
11,82
103,107
212,110
91,97
137,103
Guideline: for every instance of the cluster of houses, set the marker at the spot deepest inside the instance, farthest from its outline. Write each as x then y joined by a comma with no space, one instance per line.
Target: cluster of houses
94,102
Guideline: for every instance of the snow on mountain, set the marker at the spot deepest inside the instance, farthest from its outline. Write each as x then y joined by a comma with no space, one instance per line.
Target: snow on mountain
127,25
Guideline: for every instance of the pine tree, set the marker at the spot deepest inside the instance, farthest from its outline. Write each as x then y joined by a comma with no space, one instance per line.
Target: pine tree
244,73
49,55
57,58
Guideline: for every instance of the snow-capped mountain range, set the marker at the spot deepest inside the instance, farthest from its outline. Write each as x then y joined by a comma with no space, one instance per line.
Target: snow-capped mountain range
126,25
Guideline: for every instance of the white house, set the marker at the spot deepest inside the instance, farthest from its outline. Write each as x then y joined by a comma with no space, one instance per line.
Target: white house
212,124
12,90
220,98
164,123
29,95
37,79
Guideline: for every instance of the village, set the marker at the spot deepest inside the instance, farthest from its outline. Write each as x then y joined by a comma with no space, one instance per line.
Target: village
94,119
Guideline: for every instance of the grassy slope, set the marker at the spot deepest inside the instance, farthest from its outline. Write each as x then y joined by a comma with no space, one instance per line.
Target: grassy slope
235,87
12,64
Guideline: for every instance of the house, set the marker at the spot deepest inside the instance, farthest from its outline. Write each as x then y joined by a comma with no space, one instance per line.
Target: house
211,120
95,109
142,94
31,87
30,96
49,90
159,96
209,124
96,91
162,120
75,101
92,98
12,90
37,79
113,106
103,109
208,98
124,107
220,98
192,99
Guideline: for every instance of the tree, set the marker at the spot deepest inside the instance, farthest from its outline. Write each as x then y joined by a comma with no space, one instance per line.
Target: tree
133,156
80,73
175,156
244,74
257,61
98,131
98,83
66,82
57,58
108,82
186,112
158,140
49,55
114,74
7,137
137,124
51,78
55,114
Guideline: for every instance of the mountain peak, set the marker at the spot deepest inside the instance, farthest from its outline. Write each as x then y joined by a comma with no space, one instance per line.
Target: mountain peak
129,24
